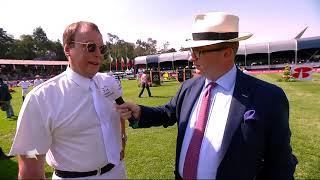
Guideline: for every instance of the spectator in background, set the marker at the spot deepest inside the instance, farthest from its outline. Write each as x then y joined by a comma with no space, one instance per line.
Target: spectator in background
24,87
145,83
37,81
5,98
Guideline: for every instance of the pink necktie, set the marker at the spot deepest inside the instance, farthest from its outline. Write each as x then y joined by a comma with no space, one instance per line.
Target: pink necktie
192,157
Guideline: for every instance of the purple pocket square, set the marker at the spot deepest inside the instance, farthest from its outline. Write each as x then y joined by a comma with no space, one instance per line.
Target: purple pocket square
249,115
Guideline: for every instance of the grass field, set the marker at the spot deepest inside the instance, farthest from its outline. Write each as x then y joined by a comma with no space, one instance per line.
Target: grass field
150,152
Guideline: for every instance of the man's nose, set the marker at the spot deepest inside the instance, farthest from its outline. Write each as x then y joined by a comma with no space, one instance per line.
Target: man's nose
97,52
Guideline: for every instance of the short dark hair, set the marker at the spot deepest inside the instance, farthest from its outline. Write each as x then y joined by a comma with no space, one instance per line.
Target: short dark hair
71,30
233,45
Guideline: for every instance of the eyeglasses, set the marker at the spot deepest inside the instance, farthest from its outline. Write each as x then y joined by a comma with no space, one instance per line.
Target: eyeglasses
91,47
197,53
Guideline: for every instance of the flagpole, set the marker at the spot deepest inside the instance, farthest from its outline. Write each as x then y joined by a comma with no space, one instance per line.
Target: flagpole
126,58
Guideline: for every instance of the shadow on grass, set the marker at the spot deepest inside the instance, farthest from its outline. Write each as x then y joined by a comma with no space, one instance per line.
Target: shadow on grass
159,97
13,118
9,169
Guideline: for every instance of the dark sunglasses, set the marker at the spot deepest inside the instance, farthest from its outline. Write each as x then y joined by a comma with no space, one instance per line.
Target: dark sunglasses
197,53
91,47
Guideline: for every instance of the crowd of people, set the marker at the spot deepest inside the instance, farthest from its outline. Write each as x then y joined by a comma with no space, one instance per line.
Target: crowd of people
230,125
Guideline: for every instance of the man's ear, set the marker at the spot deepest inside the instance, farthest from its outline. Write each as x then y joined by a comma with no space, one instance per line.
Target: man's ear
66,50
228,53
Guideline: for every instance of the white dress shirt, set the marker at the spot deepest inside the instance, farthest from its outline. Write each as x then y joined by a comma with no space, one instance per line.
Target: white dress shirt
58,118
210,154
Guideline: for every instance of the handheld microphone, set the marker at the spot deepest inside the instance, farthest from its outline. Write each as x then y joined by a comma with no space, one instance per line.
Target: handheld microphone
132,120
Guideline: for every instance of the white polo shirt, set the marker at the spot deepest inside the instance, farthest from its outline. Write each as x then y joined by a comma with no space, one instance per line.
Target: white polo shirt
24,87
36,82
58,119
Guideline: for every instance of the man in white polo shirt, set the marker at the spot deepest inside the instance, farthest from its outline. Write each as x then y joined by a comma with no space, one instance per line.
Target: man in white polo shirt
37,81
70,120
24,87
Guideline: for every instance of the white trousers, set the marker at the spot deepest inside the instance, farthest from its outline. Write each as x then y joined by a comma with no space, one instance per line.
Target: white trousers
24,92
117,172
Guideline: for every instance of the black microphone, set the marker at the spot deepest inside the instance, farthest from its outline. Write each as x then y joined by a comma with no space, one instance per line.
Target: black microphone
133,122
114,92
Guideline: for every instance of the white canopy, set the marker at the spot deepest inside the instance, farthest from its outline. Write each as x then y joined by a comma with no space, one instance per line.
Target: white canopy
241,50
283,45
181,55
257,48
140,60
166,57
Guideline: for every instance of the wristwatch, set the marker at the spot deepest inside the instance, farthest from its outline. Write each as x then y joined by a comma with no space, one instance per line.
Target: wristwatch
124,137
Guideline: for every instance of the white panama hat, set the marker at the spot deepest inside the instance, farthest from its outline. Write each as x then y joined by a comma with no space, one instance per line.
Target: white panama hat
213,28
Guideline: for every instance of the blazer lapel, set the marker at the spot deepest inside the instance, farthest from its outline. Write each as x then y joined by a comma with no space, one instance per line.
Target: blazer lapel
238,106
189,99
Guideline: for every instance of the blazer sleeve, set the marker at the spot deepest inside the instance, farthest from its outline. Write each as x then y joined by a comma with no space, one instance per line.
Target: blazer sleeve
279,162
165,115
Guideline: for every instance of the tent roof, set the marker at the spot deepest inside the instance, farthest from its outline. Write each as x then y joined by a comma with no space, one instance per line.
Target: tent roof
241,50
152,59
256,48
286,45
140,60
310,42
181,55
166,57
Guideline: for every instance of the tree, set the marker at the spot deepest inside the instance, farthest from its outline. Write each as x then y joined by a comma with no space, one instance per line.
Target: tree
6,42
42,43
58,49
165,48
117,49
146,48
23,48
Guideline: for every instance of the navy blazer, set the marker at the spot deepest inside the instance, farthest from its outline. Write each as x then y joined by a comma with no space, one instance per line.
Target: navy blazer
253,148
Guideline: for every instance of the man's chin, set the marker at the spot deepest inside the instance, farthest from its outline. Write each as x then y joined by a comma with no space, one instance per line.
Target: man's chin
92,73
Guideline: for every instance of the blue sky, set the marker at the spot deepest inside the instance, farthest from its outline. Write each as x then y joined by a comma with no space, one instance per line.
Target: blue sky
163,20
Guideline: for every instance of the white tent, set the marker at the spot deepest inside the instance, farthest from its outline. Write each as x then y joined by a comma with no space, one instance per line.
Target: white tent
140,60
181,55
283,45
166,57
257,48
241,50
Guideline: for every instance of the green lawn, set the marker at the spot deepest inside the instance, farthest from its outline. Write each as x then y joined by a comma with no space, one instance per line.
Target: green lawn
150,152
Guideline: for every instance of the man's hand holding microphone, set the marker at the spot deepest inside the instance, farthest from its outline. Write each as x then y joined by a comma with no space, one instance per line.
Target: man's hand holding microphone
129,111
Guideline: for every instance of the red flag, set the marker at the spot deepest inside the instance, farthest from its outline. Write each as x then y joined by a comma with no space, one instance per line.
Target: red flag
116,64
128,61
129,64
122,63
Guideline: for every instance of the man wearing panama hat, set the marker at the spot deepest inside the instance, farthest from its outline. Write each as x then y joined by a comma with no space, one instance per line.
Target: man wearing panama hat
230,125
